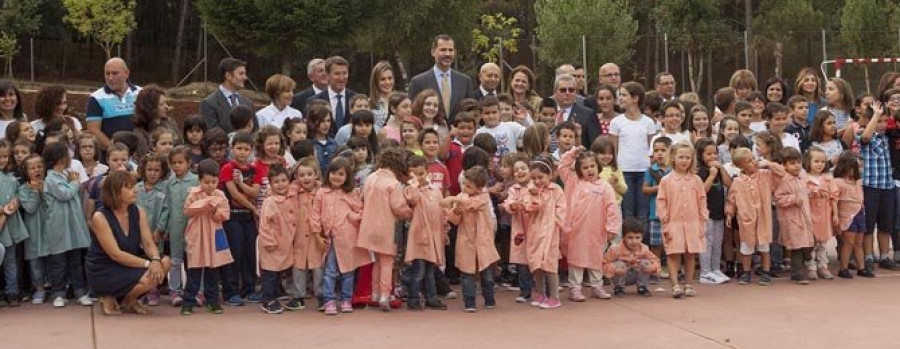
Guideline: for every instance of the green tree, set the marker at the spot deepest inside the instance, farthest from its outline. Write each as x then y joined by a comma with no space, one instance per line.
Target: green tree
405,29
608,27
281,28
861,22
497,33
107,22
695,27
780,21
17,18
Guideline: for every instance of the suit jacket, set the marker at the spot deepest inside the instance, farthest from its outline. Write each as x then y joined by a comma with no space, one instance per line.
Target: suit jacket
460,84
217,111
300,99
335,125
479,95
590,126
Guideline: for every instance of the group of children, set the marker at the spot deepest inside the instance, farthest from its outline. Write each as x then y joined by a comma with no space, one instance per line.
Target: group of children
502,194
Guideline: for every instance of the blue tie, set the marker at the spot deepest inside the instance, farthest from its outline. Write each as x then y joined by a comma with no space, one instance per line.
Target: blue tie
339,113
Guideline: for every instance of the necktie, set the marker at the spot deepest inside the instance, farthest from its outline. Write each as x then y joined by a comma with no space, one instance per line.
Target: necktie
339,112
560,115
234,100
445,92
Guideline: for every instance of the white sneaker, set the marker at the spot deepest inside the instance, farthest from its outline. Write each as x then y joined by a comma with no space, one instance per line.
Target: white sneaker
59,302
710,278
38,297
450,295
85,301
722,276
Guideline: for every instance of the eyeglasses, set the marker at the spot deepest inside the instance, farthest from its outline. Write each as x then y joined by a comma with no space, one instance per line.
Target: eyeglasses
566,89
895,99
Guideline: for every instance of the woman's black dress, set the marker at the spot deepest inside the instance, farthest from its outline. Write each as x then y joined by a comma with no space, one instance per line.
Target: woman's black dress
106,276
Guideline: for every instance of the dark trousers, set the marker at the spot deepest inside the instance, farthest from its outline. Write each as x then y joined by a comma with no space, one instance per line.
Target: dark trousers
270,280
451,271
422,274
798,259
239,278
66,269
487,287
210,280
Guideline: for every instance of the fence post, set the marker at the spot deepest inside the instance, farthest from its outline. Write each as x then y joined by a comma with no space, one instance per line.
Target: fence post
824,54
746,51
666,49
584,61
31,53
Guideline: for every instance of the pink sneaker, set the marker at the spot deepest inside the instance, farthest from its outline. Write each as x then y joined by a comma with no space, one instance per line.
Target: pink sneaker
537,301
346,307
200,299
600,293
153,298
551,303
575,295
330,308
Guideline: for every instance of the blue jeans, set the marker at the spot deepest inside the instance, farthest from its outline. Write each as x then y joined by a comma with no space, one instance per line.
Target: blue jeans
526,281
11,271
66,269
37,267
239,278
270,280
210,279
421,271
487,287
332,274
634,202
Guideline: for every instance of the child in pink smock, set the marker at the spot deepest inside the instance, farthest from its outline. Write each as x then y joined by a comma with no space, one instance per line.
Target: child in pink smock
518,223
427,235
207,247
850,212
278,221
545,205
308,248
823,201
472,212
385,204
630,261
335,217
681,207
750,198
794,219
597,219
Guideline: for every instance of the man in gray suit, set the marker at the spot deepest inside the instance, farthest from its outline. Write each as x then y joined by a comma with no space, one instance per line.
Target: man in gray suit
458,85
216,108
315,71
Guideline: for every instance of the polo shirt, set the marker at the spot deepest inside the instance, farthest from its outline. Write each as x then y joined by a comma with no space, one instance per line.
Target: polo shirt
113,112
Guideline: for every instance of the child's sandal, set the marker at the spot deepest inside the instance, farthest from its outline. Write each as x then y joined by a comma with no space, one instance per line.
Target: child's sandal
689,291
677,292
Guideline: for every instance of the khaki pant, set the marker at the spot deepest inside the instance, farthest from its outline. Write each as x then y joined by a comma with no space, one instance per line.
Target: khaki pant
595,277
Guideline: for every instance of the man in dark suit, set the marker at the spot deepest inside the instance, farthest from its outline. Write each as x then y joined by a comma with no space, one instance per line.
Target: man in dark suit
216,107
489,81
459,86
315,71
337,94
564,91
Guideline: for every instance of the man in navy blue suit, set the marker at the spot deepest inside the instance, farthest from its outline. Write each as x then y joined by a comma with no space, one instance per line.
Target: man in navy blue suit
337,94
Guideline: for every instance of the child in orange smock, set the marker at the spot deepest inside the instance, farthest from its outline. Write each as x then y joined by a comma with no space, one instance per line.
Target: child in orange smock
681,207
750,198
427,235
596,221
518,223
794,218
278,222
851,214
471,211
385,204
823,201
630,261
307,247
545,205
335,217
207,247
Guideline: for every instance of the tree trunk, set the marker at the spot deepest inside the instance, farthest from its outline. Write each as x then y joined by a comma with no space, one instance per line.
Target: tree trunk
700,67
179,40
287,58
690,64
779,54
866,71
401,68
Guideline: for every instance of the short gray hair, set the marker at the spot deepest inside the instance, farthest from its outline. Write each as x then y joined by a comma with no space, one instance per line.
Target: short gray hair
312,64
563,78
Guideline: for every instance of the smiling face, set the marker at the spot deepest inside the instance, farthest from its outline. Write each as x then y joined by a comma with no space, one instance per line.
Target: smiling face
817,161
506,112
164,144
386,82
237,77
565,93
8,103
710,154
809,84
672,119
430,145
700,121
520,173
775,92
271,146
431,107
443,53
280,184
306,176
758,106
606,101
520,83
337,77
666,86
540,179
489,77
337,178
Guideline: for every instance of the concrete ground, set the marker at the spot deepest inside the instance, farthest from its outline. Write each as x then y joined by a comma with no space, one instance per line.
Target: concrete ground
858,313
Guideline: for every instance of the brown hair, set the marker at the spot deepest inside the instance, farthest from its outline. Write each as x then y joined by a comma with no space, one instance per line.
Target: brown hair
112,187
278,84
146,107
379,68
419,105
47,100
338,163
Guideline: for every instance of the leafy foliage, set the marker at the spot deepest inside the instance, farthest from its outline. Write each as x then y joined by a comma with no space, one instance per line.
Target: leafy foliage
608,27
861,22
107,22
17,18
497,32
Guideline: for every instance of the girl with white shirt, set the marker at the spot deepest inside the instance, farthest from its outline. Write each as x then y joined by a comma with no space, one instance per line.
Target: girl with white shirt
631,132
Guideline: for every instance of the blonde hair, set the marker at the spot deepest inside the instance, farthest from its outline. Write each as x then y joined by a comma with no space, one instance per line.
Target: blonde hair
673,150
740,156
278,84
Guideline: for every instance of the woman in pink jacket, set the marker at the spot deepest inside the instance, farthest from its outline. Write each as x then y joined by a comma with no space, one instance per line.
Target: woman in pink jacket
545,204
335,217
385,203
278,222
681,207
596,221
